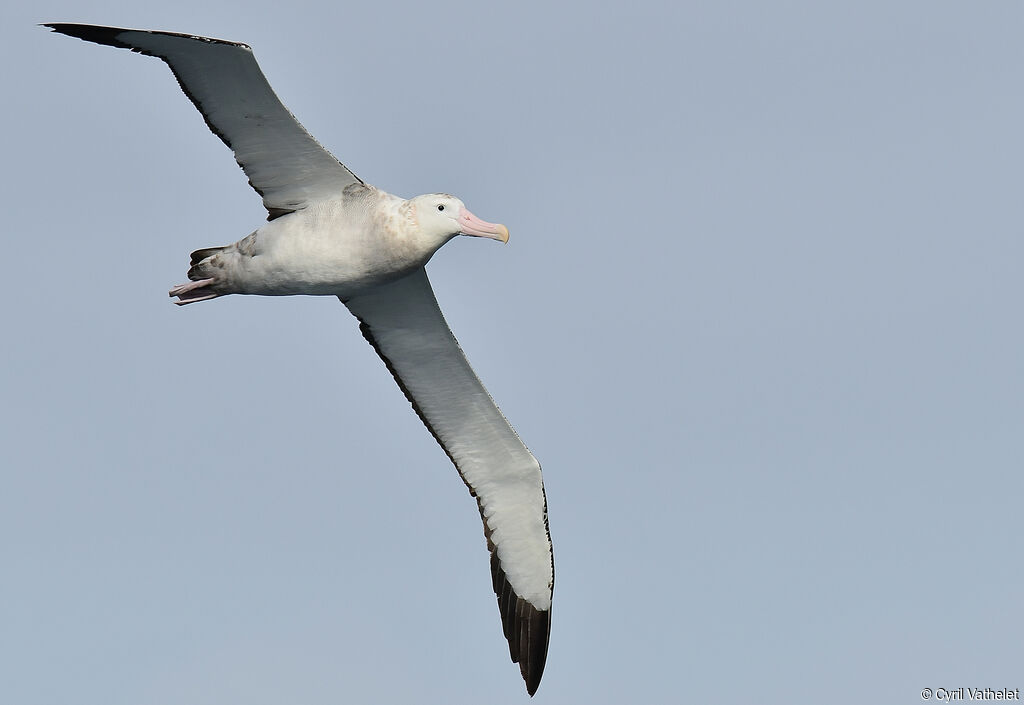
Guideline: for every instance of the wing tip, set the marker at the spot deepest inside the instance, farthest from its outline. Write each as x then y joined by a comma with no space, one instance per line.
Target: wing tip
527,629
100,34
89,32
532,668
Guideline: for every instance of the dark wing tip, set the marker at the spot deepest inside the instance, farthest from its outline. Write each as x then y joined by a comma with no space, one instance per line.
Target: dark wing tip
90,33
108,35
527,628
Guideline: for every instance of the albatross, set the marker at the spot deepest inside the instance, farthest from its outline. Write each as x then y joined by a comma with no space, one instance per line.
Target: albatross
328,233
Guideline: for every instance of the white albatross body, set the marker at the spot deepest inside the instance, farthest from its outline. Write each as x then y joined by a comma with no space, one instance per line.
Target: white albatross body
330,234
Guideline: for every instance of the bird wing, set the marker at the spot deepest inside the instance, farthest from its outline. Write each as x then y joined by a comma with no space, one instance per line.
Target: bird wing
404,325
285,165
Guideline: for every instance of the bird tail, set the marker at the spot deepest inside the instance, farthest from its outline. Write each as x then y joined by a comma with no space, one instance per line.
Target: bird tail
201,279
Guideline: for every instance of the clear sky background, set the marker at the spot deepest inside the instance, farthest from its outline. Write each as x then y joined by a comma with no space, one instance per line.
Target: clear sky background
759,319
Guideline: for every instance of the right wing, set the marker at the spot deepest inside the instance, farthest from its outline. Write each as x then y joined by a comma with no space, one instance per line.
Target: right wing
285,165
404,325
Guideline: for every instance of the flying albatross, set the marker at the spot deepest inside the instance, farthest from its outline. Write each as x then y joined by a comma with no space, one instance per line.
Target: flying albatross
330,234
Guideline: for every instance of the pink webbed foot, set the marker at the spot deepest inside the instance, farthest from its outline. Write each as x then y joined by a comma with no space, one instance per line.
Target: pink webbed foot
193,292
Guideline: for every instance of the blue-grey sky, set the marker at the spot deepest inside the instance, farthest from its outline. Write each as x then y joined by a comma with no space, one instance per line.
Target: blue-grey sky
759,319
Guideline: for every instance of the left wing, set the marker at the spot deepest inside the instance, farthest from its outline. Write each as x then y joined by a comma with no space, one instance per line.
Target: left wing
405,326
285,165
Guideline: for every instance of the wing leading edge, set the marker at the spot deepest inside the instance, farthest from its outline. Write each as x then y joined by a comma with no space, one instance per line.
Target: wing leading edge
404,324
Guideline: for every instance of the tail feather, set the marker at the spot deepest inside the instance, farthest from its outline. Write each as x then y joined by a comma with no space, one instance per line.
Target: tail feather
199,255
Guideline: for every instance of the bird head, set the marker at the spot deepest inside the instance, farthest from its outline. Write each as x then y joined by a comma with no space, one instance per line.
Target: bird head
442,217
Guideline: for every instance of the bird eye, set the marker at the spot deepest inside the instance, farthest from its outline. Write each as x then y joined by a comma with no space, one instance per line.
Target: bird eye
440,207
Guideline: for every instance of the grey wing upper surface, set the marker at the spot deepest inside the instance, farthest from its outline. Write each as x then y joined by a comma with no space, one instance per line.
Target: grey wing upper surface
405,326
285,165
